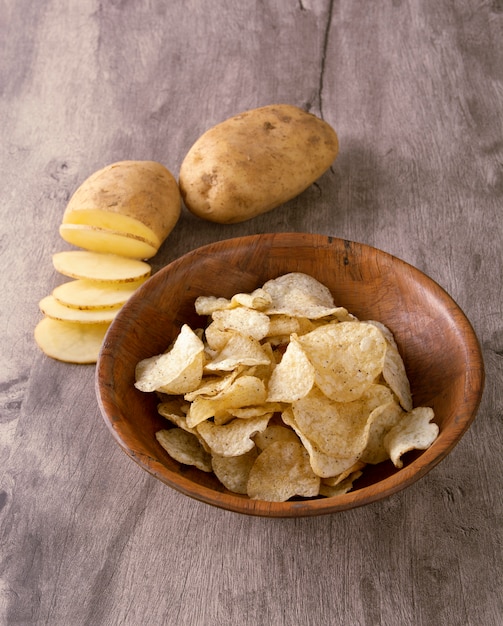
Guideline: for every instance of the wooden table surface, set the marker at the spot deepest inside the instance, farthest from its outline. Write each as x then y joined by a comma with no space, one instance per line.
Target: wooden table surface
414,89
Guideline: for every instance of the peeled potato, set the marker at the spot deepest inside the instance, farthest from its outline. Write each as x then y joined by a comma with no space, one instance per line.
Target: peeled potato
70,342
86,294
137,198
57,311
100,267
108,241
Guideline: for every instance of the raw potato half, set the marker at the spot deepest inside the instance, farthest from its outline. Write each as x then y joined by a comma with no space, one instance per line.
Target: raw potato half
107,241
57,311
86,294
70,342
100,267
138,198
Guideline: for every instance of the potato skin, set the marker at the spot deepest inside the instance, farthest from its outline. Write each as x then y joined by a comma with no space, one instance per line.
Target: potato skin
142,190
253,162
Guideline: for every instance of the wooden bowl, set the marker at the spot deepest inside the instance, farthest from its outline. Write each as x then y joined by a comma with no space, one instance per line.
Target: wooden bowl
440,350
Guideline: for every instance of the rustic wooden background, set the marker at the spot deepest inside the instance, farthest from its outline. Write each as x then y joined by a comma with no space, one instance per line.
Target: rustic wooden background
414,89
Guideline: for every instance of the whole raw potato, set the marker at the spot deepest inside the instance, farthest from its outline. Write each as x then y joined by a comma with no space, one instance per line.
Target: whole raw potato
139,199
255,161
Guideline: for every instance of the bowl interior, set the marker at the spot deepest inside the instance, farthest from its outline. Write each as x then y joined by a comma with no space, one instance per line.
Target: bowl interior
440,350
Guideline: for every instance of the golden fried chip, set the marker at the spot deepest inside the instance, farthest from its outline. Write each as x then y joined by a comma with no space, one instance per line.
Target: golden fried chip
341,487
338,429
234,438
300,295
394,369
332,481
206,305
281,471
185,448
210,386
293,377
415,431
258,299
274,432
244,391
177,417
322,464
347,357
245,321
176,371
239,350
381,420
233,471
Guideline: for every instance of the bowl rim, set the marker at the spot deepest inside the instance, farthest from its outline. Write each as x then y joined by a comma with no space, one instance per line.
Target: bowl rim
400,479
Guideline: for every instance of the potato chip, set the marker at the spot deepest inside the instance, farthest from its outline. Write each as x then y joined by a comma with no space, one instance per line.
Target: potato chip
210,386
414,432
322,464
234,438
233,471
175,371
281,471
244,391
175,415
293,377
300,295
347,357
338,429
332,481
274,432
258,299
185,448
245,321
239,350
341,487
394,369
206,305
381,420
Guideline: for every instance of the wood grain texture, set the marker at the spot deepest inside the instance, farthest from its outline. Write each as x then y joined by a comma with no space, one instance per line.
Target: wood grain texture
415,92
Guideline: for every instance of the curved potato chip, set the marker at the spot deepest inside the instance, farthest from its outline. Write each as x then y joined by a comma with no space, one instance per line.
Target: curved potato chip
341,487
206,305
274,432
414,432
293,377
185,448
239,350
381,420
282,471
234,438
347,357
300,295
244,391
233,471
394,369
173,366
246,321
323,465
338,429
258,299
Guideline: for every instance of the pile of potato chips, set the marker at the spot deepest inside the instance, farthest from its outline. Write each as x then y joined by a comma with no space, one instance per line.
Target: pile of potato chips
284,394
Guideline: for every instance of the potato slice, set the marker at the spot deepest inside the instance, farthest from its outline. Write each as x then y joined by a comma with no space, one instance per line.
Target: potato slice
57,311
111,221
141,198
100,267
107,241
87,294
70,342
